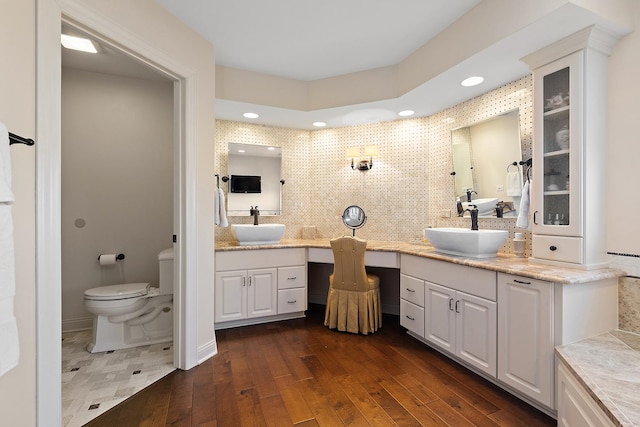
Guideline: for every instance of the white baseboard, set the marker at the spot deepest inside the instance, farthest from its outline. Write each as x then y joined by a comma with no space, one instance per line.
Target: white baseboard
79,324
207,351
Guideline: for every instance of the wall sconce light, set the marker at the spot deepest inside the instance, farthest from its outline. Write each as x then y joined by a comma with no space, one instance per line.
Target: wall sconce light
353,153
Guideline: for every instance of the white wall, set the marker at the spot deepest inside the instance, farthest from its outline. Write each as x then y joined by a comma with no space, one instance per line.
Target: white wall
623,201
17,111
117,177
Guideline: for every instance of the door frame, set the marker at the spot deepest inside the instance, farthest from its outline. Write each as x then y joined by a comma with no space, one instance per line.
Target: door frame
49,17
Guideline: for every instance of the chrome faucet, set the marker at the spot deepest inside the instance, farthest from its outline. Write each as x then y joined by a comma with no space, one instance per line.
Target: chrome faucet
254,212
469,191
474,216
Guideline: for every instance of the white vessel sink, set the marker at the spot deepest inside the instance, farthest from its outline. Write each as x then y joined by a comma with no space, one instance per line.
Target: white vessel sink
485,206
263,234
467,243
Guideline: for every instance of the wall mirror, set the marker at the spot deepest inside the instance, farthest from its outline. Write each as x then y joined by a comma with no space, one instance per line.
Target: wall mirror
254,179
483,155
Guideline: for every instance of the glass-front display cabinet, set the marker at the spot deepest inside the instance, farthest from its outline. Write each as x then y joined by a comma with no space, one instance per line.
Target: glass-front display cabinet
559,205
569,149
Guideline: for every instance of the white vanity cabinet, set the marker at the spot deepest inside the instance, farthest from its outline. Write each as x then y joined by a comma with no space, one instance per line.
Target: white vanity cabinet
459,309
575,406
245,294
569,149
259,285
462,324
525,336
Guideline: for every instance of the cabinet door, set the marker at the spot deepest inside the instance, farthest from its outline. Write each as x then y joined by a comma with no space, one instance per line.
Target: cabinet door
557,150
262,292
440,316
476,331
575,406
231,295
525,336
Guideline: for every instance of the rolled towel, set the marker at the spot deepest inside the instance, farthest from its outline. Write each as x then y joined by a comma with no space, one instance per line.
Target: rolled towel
514,183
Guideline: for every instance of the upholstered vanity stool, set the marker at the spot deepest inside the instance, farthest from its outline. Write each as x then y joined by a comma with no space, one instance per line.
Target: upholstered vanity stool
353,303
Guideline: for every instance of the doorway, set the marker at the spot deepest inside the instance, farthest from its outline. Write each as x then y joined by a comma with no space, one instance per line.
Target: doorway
193,181
117,160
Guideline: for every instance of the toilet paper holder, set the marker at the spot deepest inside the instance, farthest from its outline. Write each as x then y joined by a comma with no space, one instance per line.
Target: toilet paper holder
119,257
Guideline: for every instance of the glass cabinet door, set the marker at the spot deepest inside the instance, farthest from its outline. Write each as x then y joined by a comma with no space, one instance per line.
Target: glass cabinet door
556,149
558,142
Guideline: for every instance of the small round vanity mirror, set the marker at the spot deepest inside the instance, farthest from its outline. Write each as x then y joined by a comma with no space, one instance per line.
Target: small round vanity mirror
354,217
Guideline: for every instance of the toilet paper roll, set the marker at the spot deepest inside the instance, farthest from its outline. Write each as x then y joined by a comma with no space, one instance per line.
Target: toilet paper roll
108,259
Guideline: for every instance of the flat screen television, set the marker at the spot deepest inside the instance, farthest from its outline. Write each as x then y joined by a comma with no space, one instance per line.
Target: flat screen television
245,184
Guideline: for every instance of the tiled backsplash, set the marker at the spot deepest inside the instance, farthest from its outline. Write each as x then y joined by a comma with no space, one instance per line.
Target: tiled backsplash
409,186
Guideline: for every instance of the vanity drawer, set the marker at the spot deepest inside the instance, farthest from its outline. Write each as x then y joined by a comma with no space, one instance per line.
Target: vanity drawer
412,317
558,248
291,277
412,290
292,300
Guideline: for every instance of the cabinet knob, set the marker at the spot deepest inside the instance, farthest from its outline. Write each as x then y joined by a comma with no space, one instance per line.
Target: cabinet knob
552,248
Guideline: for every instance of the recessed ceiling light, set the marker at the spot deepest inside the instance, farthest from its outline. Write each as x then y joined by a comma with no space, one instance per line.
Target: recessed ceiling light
271,148
251,115
472,81
406,113
319,124
77,43
240,151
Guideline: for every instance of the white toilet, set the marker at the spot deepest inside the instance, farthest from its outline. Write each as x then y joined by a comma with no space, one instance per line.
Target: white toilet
132,314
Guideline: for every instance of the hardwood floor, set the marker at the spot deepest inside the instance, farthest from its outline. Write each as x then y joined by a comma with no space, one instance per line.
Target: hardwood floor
300,373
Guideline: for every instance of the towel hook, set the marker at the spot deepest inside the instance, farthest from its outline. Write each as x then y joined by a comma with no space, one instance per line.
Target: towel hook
512,164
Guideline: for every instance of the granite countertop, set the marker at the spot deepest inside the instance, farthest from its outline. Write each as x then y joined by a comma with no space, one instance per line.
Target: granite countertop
608,367
503,263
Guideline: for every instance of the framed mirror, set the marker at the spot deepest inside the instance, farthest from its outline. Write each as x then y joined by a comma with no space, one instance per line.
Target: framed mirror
254,179
483,155
353,217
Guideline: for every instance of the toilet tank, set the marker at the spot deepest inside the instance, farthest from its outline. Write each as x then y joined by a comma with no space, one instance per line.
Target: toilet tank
165,261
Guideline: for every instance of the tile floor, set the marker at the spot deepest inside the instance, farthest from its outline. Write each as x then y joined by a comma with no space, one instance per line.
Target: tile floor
94,383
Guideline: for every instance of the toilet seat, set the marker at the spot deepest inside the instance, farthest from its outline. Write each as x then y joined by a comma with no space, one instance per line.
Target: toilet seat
117,292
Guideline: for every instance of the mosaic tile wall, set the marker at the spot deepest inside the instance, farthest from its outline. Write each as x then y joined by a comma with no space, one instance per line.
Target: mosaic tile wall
408,188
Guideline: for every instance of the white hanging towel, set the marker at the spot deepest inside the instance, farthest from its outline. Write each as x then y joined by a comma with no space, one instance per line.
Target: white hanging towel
523,212
9,344
514,183
220,209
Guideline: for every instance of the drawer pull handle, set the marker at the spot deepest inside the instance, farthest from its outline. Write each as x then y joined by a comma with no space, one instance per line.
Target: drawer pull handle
520,281
450,304
292,302
409,317
292,278
457,306
410,290
553,248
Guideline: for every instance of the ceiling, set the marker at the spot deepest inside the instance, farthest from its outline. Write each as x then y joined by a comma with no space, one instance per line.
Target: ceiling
299,41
